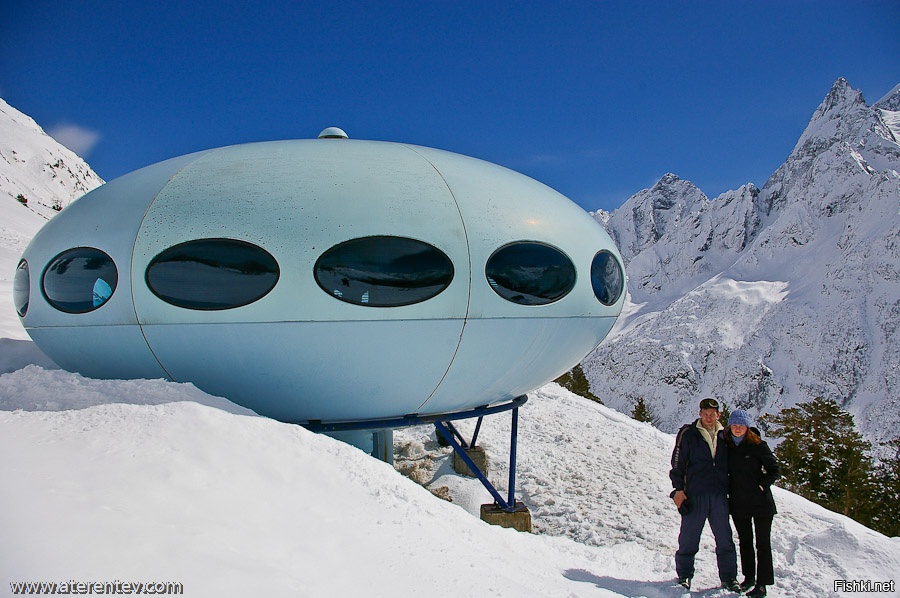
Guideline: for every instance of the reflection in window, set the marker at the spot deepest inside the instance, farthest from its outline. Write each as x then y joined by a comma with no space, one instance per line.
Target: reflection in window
607,278
21,288
383,271
530,273
212,274
80,280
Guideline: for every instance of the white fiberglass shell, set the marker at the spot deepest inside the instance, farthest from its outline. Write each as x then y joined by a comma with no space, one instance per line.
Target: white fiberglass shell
299,353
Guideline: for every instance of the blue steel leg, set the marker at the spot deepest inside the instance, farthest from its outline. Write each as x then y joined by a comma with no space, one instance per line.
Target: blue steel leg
477,428
506,505
513,441
455,432
442,430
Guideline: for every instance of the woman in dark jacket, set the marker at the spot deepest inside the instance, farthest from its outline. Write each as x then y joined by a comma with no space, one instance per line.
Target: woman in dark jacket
752,469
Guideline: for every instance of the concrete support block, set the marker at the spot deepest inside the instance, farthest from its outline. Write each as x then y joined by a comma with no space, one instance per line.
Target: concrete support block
377,443
519,520
477,455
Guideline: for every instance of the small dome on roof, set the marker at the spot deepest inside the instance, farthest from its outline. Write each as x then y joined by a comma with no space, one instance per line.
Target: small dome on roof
333,133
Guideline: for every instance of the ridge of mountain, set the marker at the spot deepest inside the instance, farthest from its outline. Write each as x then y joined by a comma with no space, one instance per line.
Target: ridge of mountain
769,297
38,177
36,167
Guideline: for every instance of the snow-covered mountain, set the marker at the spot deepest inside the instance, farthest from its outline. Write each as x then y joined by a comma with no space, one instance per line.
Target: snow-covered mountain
38,177
768,297
36,167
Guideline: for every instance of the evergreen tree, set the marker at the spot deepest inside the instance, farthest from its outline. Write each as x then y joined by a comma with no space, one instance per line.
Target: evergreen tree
642,413
577,382
885,511
724,414
824,458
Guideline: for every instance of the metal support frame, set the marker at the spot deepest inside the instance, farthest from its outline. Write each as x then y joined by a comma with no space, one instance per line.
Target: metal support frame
477,428
448,432
413,419
459,437
509,505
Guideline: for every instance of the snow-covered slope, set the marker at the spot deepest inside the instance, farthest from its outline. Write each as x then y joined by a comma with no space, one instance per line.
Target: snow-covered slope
156,481
768,297
32,164
47,175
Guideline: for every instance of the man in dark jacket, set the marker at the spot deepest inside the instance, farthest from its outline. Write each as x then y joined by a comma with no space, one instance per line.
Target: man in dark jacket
699,475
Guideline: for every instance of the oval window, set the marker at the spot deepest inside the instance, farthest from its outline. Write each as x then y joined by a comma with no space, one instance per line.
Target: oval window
383,271
212,274
607,278
80,280
21,288
530,273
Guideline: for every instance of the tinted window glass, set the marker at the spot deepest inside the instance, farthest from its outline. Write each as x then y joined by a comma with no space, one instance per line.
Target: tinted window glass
21,284
607,278
383,271
530,273
212,274
80,280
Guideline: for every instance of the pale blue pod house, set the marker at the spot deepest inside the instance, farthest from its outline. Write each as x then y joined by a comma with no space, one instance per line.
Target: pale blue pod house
324,280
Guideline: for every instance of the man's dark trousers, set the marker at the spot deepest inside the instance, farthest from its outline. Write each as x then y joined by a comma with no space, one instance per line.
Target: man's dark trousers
714,509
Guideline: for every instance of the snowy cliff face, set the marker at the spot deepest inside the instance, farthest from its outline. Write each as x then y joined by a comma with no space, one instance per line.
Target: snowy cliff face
672,237
769,297
35,166
45,177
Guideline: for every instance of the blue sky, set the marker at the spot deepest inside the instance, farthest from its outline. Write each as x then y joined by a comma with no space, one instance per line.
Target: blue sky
595,99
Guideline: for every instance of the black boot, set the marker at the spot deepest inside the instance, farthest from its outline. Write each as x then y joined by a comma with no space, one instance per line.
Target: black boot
757,592
732,586
748,583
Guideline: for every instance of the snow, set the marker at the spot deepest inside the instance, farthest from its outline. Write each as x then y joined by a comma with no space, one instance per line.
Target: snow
106,480
766,298
32,164
152,480
751,299
892,120
48,175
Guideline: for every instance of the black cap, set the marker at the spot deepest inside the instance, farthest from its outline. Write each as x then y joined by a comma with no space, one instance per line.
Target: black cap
709,404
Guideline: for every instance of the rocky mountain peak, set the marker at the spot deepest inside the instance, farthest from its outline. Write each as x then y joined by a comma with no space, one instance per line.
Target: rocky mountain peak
841,114
844,134
671,236
839,99
648,215
842,117
768,298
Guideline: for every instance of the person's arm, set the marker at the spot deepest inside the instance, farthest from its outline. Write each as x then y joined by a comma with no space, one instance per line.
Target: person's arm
771,469
676,473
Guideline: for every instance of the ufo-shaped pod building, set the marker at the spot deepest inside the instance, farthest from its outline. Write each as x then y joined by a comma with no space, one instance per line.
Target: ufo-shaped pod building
329,280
